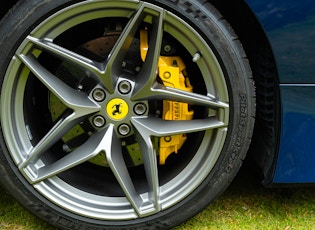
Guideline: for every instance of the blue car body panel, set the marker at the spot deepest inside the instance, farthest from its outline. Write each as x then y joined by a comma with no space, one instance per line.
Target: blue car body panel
290,28
296,158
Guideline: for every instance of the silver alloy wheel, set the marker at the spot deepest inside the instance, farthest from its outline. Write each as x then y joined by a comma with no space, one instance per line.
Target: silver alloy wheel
30,153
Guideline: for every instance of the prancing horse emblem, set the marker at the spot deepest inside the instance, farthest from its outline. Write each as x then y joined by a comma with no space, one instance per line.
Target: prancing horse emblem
116,109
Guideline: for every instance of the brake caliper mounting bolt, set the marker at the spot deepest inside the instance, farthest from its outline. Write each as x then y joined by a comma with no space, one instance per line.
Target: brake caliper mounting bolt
167,75
167,48
168,139
140,109
99,121
99,95
196,57
124,87
124,129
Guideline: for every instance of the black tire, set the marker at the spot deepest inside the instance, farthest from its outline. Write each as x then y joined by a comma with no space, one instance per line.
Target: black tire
47,89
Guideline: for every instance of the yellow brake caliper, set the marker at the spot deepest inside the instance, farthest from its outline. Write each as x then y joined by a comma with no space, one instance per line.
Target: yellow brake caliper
170,70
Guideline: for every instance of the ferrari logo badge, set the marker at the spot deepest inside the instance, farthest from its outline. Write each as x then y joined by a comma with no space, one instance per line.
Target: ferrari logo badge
117,109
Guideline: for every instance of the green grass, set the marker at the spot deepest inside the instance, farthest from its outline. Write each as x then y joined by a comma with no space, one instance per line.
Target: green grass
248,205
245,205
14,217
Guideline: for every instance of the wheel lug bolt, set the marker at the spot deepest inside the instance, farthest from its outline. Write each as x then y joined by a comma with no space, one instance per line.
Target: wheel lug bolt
99,95
140,109
124,129
99,121
124,87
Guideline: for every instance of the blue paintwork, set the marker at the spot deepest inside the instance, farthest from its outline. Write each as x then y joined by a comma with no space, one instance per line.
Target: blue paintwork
296,158
290,28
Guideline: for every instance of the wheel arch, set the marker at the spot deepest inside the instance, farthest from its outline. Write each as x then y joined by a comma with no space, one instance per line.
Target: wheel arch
264,147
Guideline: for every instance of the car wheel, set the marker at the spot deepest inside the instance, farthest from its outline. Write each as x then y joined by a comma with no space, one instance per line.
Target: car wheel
121,114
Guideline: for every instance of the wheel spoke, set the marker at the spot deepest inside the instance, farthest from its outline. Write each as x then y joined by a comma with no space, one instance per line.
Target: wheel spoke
147,76
53,136
73,99
92,147
146,128
117,164
84,63
119,51
160,92
151,170
79,104
153,126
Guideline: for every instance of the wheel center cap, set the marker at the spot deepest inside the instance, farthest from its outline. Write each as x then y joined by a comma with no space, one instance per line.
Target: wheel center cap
117,109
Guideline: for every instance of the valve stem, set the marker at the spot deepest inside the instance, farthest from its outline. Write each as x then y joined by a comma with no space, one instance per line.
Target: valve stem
196,57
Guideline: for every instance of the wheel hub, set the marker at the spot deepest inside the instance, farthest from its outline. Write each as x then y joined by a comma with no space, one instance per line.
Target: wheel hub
117,109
